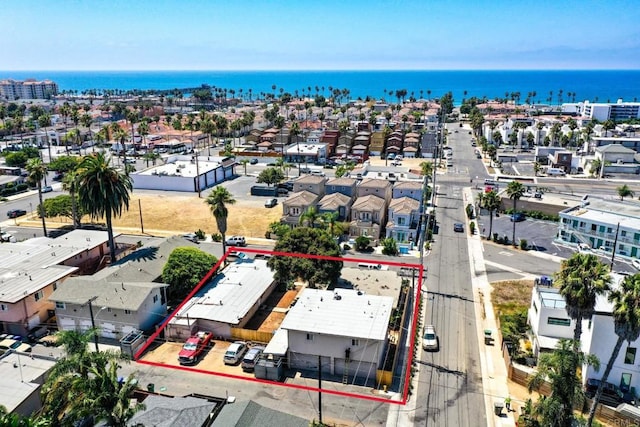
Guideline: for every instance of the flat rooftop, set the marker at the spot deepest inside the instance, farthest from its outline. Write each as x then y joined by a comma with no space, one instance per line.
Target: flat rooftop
608,211
185,167
341,312
230,295
20,378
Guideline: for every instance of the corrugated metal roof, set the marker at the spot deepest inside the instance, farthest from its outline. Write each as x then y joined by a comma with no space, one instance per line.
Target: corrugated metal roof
230,295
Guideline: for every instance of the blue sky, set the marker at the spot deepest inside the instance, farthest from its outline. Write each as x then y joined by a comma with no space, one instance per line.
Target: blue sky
318,35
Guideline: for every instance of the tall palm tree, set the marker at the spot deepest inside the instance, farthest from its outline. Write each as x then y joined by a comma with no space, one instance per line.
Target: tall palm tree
70,184
491,202
515,190
37,171
218,200
44,121
103,191
331,219
626,324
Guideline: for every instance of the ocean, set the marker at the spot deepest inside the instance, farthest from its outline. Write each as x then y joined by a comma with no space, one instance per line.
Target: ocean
550,86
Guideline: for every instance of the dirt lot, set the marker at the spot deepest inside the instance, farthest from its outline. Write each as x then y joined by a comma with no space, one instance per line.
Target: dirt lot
166,215
268,319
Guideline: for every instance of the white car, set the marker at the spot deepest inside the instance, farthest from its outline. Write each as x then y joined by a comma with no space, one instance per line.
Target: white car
583,248
636,263
430,339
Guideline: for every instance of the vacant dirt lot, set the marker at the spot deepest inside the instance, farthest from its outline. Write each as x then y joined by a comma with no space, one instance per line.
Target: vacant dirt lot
166,215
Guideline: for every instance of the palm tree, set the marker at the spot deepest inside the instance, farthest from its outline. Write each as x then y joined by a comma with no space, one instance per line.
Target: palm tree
310,217
607,126
331,219
581,279
625,191
558,368
37,171
44,121
426,169
491,202
70,184
218,200
626,321
103,191
244,163
515,190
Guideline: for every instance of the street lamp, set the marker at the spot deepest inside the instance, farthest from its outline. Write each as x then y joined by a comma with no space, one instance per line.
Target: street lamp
93,323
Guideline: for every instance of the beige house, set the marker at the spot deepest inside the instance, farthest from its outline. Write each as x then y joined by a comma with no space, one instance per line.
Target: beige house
311,183
368,213
336,202
377,187
296,204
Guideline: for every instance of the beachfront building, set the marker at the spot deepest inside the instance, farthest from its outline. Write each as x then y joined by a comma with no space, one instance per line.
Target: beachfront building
344,330
33,269
550,322
601,223
185,173
12,90
227,301
602,111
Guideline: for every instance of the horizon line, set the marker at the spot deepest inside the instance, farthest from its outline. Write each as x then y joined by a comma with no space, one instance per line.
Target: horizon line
319,70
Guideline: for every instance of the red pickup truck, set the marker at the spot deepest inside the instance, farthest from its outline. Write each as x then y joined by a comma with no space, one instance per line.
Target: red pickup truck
194,347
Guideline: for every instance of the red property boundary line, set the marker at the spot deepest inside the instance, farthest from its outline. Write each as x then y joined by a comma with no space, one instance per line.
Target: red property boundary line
214,270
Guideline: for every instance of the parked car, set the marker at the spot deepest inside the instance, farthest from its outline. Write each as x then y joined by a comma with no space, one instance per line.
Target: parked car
518,217
236,241
253,161
249,360
192,237
636,263
194,347
270,203
7,237
458,227
235,352
47,189
36,333
612,395
430,339
15,213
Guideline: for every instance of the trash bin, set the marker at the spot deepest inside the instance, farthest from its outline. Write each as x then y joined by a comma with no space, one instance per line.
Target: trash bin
497,408
151,387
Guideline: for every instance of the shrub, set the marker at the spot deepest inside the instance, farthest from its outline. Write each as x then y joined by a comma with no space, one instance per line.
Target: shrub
469,210
199,234
472,227
346,247
495,237
505,239
362,243
523,244
389,247
216,237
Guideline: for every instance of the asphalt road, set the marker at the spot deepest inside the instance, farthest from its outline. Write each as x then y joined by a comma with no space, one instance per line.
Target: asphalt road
449,391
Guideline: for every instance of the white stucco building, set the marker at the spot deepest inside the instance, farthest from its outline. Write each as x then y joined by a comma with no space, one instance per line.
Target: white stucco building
550,322
327,326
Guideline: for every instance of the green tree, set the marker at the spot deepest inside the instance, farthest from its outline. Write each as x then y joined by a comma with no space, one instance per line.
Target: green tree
244,163
537,167
184,269
426,169
37,171
390,247
103,192
218,199
626,325
362,243
70,184
515,190
16,420
330,220
64,164
16,159
270,176
307,241
491,202
62,206
559,369
607,126
624,191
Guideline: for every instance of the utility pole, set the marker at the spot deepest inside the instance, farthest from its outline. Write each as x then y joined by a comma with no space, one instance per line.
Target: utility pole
320,389
140,210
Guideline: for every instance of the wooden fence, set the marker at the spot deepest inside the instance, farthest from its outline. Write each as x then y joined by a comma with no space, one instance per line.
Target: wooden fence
251,335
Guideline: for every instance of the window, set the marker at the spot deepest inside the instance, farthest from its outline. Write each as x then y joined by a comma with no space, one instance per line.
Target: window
625,382
535,307
401,221
108,309
355,342
127,312
309,337
623,233
60,305
4,307
155,298
558,321
630,356
55,285
38,295
593,227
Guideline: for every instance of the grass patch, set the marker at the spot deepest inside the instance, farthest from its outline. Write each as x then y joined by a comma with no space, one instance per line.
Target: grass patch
509,296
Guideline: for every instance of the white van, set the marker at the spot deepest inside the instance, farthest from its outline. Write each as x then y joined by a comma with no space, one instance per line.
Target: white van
370,266
316,172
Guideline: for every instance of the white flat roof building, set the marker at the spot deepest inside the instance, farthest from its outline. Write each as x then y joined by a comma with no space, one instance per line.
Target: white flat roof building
230,299
22,376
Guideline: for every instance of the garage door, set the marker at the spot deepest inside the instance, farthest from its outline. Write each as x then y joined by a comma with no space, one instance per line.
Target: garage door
34,321
67,324
108,330
309,362
356,368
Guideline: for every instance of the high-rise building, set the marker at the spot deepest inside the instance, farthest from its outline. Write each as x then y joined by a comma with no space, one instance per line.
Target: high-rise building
12,90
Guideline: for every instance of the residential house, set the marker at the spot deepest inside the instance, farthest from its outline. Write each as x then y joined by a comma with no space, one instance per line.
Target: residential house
429,145
550,322
336,202
33,269
251,414
601,223
22,379
168,411
377,187
346,186
618,159
342,332
227,301
404,217
411,189
377,144
561,160
368,214
297,204
313,184
411,145
330,137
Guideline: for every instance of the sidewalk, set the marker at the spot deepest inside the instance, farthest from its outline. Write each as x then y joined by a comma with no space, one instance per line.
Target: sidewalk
494,372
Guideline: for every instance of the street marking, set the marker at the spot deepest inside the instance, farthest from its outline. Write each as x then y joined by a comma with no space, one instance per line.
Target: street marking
505,253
